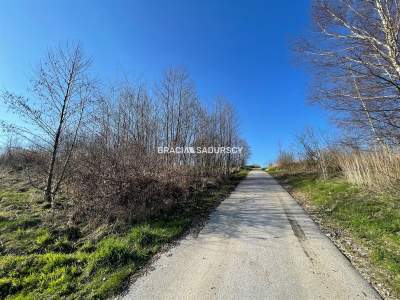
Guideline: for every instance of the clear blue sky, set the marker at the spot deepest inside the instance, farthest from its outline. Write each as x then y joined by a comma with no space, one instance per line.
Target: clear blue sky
237,49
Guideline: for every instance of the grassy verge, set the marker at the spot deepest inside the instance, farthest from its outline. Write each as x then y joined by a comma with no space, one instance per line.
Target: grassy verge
370,220
41,260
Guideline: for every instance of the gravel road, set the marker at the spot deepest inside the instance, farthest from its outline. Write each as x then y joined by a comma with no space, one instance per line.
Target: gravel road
258,244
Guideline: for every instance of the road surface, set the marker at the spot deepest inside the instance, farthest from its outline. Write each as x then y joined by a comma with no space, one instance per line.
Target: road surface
258,244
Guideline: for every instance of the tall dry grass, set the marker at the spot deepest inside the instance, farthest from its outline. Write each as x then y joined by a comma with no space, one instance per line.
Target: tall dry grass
378,169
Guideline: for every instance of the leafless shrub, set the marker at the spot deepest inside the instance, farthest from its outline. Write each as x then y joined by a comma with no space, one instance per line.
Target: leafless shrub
286,159
318,154
19,158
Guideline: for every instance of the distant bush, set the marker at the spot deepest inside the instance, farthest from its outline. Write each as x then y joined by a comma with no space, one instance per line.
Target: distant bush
285,159
250,167
18,158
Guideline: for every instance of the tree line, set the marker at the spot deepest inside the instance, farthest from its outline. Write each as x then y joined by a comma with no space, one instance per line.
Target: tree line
99,145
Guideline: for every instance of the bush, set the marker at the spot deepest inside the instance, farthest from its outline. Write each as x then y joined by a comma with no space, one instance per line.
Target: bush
285,159
118,195
19,159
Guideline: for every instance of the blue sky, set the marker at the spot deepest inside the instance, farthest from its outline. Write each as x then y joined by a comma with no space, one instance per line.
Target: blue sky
237,49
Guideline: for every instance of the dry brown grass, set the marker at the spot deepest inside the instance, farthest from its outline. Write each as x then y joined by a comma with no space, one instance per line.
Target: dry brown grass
376,169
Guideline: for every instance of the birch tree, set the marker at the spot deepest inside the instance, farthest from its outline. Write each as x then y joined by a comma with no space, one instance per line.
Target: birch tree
54,114
355,54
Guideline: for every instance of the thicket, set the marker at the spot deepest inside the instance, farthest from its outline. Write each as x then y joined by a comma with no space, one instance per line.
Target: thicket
99,148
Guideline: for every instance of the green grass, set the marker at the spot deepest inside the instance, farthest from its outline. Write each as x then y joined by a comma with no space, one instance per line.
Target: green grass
41,260
372,219
82,274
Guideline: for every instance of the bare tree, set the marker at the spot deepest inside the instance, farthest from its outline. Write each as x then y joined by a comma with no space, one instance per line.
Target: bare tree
178,110
54,117
121,174
355,54
117,172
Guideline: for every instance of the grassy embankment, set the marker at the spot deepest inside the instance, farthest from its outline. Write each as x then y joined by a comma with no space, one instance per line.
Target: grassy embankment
43,258
370,220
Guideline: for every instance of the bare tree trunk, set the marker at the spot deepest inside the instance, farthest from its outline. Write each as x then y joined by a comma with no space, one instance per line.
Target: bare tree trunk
367,113
48,194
